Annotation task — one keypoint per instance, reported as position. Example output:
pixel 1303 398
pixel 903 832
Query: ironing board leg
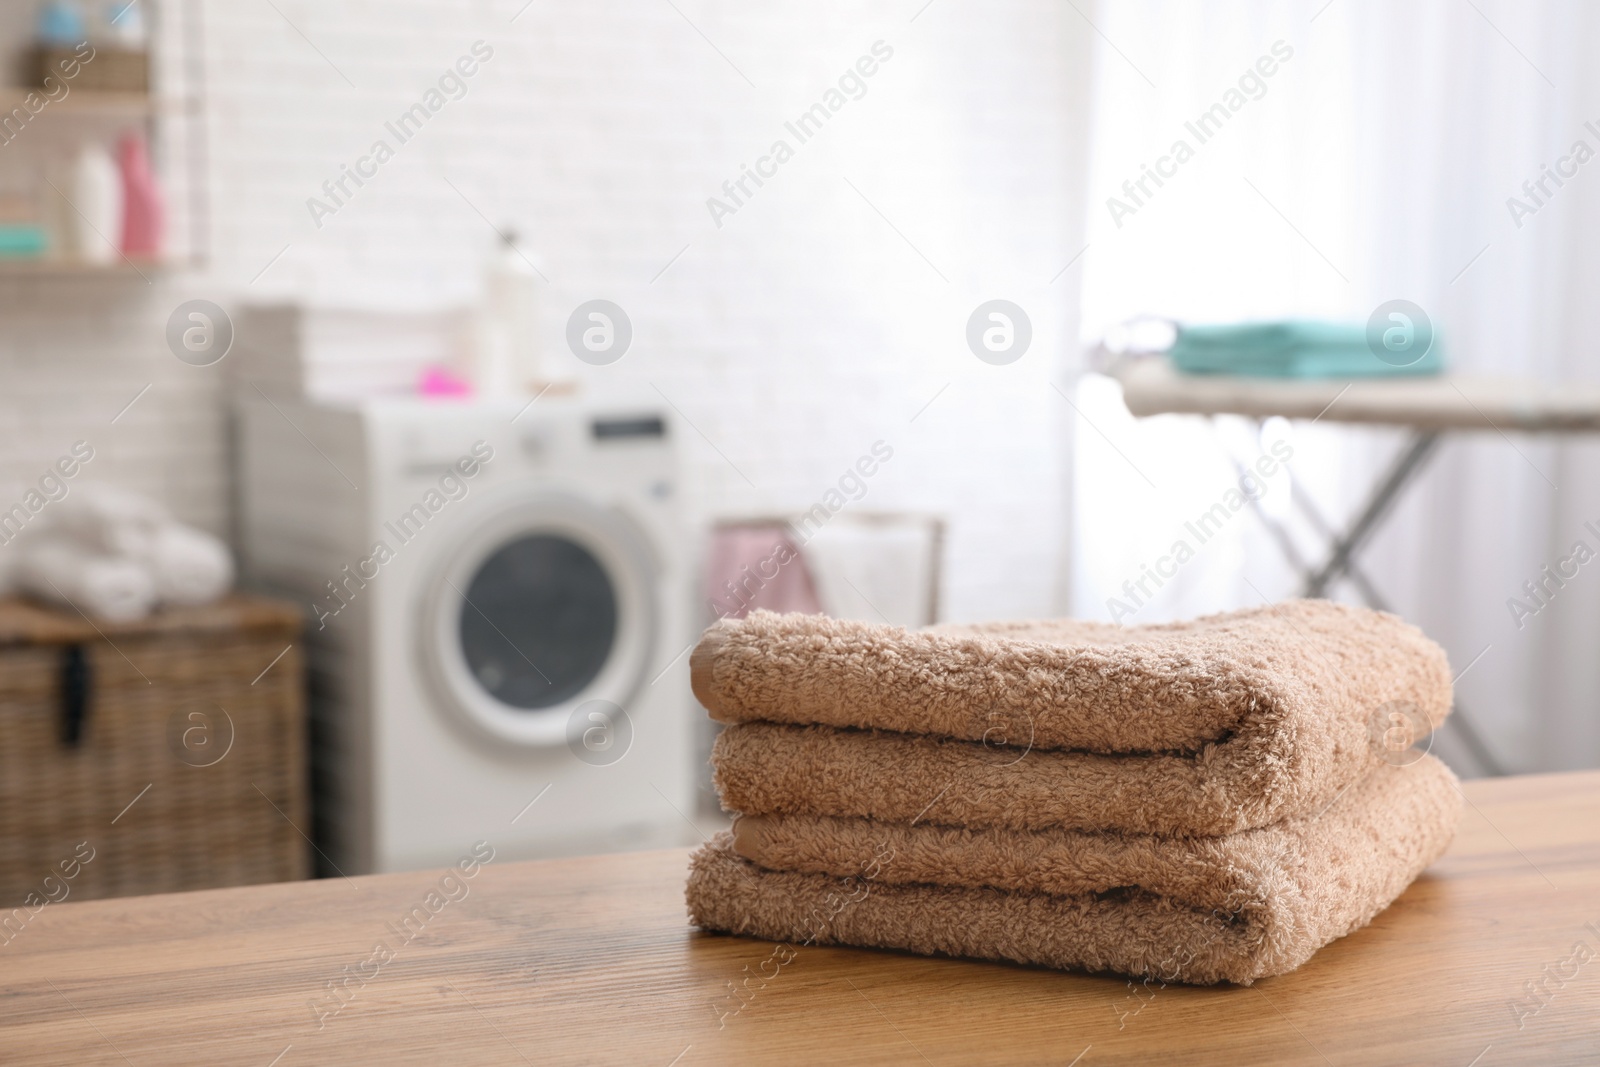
pixel 1286 543
pixel 1342 561
pixel 1358 577
pixel 1405 467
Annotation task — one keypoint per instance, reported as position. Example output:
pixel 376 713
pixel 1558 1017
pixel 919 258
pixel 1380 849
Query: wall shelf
pixel 66 268
pixel 82 103
pixel 170 115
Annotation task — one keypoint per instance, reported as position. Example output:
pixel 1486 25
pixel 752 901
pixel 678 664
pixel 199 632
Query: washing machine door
pixel 543 601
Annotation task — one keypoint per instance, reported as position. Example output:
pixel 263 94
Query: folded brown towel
pixel 766 769
pixel 1225 723
pixel 1209 910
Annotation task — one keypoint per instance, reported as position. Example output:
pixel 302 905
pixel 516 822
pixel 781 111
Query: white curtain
pixel 1376 161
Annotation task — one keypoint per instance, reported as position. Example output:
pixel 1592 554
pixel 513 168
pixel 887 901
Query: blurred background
pixel 392 392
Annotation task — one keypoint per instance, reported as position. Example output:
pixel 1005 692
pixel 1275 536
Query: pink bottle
pixel 142 209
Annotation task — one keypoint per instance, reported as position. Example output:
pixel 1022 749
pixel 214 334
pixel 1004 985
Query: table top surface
pixel 1490 958
pixel 1152 386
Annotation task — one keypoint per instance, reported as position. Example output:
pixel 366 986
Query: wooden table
pixel 591 961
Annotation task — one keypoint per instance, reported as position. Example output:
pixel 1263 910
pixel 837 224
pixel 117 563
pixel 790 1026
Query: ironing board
pixel 1426 407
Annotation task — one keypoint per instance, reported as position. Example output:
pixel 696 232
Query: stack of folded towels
pixel 1196 802
pixel 1295 348
pixel 117 555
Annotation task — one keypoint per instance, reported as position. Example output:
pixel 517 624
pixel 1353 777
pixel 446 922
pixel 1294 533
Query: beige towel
pixel 1208 727
pixel 1233 909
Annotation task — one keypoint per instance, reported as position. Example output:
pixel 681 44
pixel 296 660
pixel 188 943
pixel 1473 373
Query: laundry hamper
pixel 157 756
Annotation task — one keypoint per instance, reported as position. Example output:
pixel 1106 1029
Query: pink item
pixel 437 381
pixel 752 567
pixel 142 209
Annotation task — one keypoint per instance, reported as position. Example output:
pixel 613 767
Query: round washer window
pixel 539 622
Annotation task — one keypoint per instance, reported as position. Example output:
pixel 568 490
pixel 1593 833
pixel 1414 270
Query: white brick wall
pixel 793 337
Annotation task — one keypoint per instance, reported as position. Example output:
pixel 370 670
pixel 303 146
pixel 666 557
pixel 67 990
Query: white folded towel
pixel 189 565
pixel 113 521
pixel 60 571
pixel 94 540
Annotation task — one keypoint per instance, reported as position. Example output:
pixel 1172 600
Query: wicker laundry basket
pixel 150 757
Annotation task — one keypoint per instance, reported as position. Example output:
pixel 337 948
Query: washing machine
pixel 498 620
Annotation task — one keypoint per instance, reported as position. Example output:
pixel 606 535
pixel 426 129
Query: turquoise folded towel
pixel 21 241
pixel 1291 349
